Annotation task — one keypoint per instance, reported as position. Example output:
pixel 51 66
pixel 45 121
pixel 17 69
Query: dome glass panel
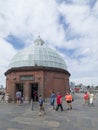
pixel 38 54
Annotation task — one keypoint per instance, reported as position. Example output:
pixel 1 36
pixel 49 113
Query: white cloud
pixel 27 20
pixel 82 21
pixel 6 53
pixel 92 80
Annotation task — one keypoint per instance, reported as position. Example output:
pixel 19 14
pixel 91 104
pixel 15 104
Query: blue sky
pixel 69 26
pixel 16 42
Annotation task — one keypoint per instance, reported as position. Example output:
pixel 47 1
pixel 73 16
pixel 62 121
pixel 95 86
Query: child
pixel 52 100
pixel 41 104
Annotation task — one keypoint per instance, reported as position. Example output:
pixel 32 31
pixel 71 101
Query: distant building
pixel 37 68
pixel 72 86
pixel 1 86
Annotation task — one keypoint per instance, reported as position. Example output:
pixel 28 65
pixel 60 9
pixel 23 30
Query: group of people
pixel 4 97
pixel 54 99
pixel 19 98
pixel 89 98
pixel 68 100
pixel 58 100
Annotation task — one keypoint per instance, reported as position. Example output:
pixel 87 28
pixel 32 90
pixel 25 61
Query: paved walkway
pixel 13 117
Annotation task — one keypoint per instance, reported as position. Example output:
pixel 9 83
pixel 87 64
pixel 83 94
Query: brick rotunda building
pixel 39 69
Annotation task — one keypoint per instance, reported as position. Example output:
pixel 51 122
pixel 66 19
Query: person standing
pixel 2 97
pixel 7 97
pixel 35 95
pixel 18 97
pixel 91 99
pixel 52 100
pixel 59 102
pixel 68 98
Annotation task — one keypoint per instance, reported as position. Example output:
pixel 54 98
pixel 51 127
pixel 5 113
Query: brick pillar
pixel 27 91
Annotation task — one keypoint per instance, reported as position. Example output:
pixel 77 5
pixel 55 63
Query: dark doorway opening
pixel 19 87
pixel 34 91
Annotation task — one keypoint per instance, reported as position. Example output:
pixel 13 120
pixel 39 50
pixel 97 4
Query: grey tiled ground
pixel 13 117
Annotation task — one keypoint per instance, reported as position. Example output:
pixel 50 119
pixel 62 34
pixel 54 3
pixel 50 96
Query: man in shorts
pixel 68 98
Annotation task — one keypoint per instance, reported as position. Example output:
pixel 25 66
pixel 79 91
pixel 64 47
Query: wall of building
pixel 46 80
pixel 56 81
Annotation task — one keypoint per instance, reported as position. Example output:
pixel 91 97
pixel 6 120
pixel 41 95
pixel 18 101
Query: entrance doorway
pixel 19 87
pixel 34 91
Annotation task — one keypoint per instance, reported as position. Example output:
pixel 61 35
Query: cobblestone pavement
pixel 81 117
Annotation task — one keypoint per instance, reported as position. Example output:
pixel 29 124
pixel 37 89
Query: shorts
pixel 18 98
pixel 68 101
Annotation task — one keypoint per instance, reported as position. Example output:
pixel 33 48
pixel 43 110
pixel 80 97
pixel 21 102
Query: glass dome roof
pixel 38 55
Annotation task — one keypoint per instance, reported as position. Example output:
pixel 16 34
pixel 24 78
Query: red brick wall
pixel 57 82
pixel 47 81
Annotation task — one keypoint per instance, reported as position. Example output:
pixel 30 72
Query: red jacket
pixel 86 96
pixel 59 99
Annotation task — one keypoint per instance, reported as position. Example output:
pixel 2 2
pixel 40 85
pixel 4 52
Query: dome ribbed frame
pixel 38 56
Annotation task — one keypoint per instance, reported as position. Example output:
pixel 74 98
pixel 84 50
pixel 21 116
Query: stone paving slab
pixel 37 122
pixel 12 129
pixel 13 117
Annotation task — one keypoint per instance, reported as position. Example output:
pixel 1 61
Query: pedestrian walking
pixel 59 102
pixel 68 99
pixel 86 98
pixel 91 99
pixel 52 100
pixel 41 105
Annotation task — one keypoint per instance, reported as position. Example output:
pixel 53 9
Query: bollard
pixel 32 104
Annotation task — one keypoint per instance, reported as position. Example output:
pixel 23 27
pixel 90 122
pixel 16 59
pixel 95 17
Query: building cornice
pixel 36 68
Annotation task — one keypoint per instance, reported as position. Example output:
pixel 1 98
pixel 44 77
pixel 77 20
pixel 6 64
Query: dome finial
pixel 38 41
